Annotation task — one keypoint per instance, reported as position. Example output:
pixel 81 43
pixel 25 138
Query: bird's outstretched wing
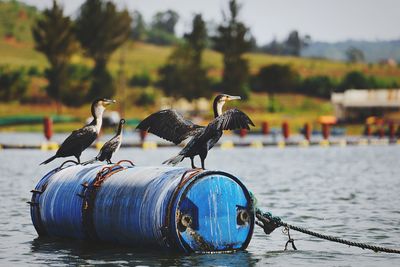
pixel 231 119
pixel 170 125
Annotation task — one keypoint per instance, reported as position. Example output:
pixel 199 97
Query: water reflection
pixel 56 251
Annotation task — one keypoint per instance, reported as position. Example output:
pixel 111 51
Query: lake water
pixel 351 192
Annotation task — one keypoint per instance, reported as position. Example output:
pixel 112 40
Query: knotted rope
pixel 269 223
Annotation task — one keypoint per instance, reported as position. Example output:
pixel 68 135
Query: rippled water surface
pixel 351 192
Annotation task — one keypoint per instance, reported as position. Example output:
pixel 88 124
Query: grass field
pixel 141 56
pixel 296 109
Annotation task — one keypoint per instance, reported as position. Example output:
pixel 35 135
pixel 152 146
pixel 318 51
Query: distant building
pixel 388 62
pixel 357 105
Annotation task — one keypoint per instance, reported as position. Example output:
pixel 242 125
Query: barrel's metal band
pixel 89 196
pixel 165 230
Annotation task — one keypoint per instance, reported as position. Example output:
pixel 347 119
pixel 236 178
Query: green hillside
pixel 16 20
pixel 17 49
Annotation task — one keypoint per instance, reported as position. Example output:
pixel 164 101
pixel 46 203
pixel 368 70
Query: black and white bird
pixel 82 138
pixel 111 146
pixel 171 125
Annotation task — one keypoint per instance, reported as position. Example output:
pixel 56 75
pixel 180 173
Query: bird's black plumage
pixel 171 125
pixel 112 145
pixel 82 138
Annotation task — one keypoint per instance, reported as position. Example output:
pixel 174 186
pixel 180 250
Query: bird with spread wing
pixel 172 126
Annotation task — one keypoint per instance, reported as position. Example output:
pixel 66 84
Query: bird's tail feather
pixel 48 160
pixel 174 160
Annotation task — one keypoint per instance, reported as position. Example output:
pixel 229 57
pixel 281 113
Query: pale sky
pixel 323 20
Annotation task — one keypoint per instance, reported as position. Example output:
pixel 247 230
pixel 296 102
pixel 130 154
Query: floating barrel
pixel 165 207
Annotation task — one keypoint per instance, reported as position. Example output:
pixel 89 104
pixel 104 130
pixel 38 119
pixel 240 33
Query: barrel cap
pixel 214 213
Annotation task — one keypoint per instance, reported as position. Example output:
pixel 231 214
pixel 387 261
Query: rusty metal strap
pixel 203 244
pixel 187 175
pixel 89 196
pixel 165 230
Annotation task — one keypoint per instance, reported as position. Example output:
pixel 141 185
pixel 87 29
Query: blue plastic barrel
pixel 165 207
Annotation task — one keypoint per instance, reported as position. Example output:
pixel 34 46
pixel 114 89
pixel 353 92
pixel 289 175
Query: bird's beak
pixel 108 102
pixel 232 97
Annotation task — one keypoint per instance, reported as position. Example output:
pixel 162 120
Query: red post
pixel 392 132
pixel 325 131
pixel 285 130
pixel 48 127
pixel 367 130
pixel 243 133
pixel 265 128
pixel 381 131
pixel 143 135
pixel 307 131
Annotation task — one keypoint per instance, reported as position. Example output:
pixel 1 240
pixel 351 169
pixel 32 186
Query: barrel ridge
pixel 62 212
pixel 132 205
pixel 35 200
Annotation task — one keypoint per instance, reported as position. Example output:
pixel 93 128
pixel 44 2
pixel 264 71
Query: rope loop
pixel 125 160
pixel 67 161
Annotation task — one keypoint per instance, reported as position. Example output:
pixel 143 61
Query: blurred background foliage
pixel 48 57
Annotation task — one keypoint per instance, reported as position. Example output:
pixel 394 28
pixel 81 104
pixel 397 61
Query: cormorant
pixel 110 147
pixel 82 138
pixel 171 125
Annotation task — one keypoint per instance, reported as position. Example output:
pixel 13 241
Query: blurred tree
pixel 162 31
pixel 54 37
pixel 138 27
pixel 160 37
pixel 277 78
pixel 273 48
pixel 13 84
pixel 197 39
pixel 141 79
pixel 354 55
pixel 355 80
pixel 292 46
pixel 165 21
pixel 146 98
pixel 184 76
pixel 79 85
pixel 319 86
pixel 101 29
pixel 233 40
pixel 295 43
